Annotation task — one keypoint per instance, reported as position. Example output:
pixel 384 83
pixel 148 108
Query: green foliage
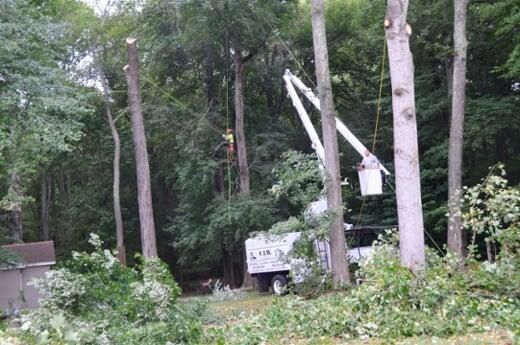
pixel 9 259
pixel 49 125
pixel 92 299
pixel 505 15
pixel 391 303
pixel 298 179
pixel 492 208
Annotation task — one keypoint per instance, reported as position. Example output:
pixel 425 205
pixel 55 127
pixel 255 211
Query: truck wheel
pixel 263 283
pixel 279 285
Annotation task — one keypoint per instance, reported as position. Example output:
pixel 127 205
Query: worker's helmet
pixel 229 131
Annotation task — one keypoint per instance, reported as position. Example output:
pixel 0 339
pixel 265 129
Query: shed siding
pixel 10 294
pixel 30 293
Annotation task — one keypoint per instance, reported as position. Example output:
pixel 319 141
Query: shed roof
pixel 34 253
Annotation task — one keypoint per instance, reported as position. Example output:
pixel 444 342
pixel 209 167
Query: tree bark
pixel 227 269
pixel 120 245
pixel 340 272
pixel 144 192
pixel 456 234
pixel 15 224
pixel 243 166
pixel 46 191
pixel 406 151
pixel 209 75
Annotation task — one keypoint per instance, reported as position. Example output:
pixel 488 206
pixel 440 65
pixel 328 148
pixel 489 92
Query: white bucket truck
pixel 267 255
pixel 268 260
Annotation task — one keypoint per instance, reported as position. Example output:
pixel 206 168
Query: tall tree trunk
pixel 218 180
pixel 209 75
pixel 15 224
pixel 64 237
pixel 144 191
pixel 243 166
pixel 406 151
pixel 340 272
pixel 456 234
pixel 227 269
pixel 120 244
pixel 46 191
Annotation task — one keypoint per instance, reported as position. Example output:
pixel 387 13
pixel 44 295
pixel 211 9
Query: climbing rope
pixel 378 115
pixel 379 97
pixel 179 104
pixel 203 118
pixel 289 51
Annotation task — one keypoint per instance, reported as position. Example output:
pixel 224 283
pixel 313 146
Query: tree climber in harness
pixel 230 142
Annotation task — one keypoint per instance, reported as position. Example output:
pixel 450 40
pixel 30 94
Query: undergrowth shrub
pixel 94 300
pixel 9 259
pixel 391 303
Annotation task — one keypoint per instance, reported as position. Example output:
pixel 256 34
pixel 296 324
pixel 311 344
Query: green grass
pixel 228 312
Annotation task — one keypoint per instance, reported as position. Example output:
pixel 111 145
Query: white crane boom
pixel 304 117
pixel 291 80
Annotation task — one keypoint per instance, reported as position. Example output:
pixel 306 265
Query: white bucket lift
pixel 370 178
pixel 370 181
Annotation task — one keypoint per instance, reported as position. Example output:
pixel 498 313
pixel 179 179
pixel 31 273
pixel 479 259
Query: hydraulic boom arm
pixel 292 81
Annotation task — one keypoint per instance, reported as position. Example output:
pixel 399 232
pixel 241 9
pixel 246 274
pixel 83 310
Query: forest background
pixel 56 147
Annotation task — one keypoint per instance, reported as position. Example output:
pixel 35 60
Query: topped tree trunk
pixel 243 165
pixel 340 273
pixel 406 150
pixel 144 191
pixel 456 234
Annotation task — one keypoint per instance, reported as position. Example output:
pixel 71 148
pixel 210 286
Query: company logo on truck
pixel 278 253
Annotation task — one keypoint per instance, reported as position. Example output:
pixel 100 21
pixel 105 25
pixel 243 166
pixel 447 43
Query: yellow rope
pixel 378 114
pixel 182 105
pixel 379 97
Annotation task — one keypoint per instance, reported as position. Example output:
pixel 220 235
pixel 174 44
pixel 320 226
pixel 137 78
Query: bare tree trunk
pixel 227 269
pixel 15 224
pixel 456 234
pixel 406 150
pixel 243 166
pixel 120 245
pixel 63 182
pixel 144 192
pixel 46 192
pixel 340 272
pixel 209 75
pixel 218 180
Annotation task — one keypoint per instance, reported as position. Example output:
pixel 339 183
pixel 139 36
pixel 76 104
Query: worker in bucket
pixel 370 161
pixel 230 142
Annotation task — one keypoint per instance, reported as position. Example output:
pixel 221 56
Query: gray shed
pixel 36 259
